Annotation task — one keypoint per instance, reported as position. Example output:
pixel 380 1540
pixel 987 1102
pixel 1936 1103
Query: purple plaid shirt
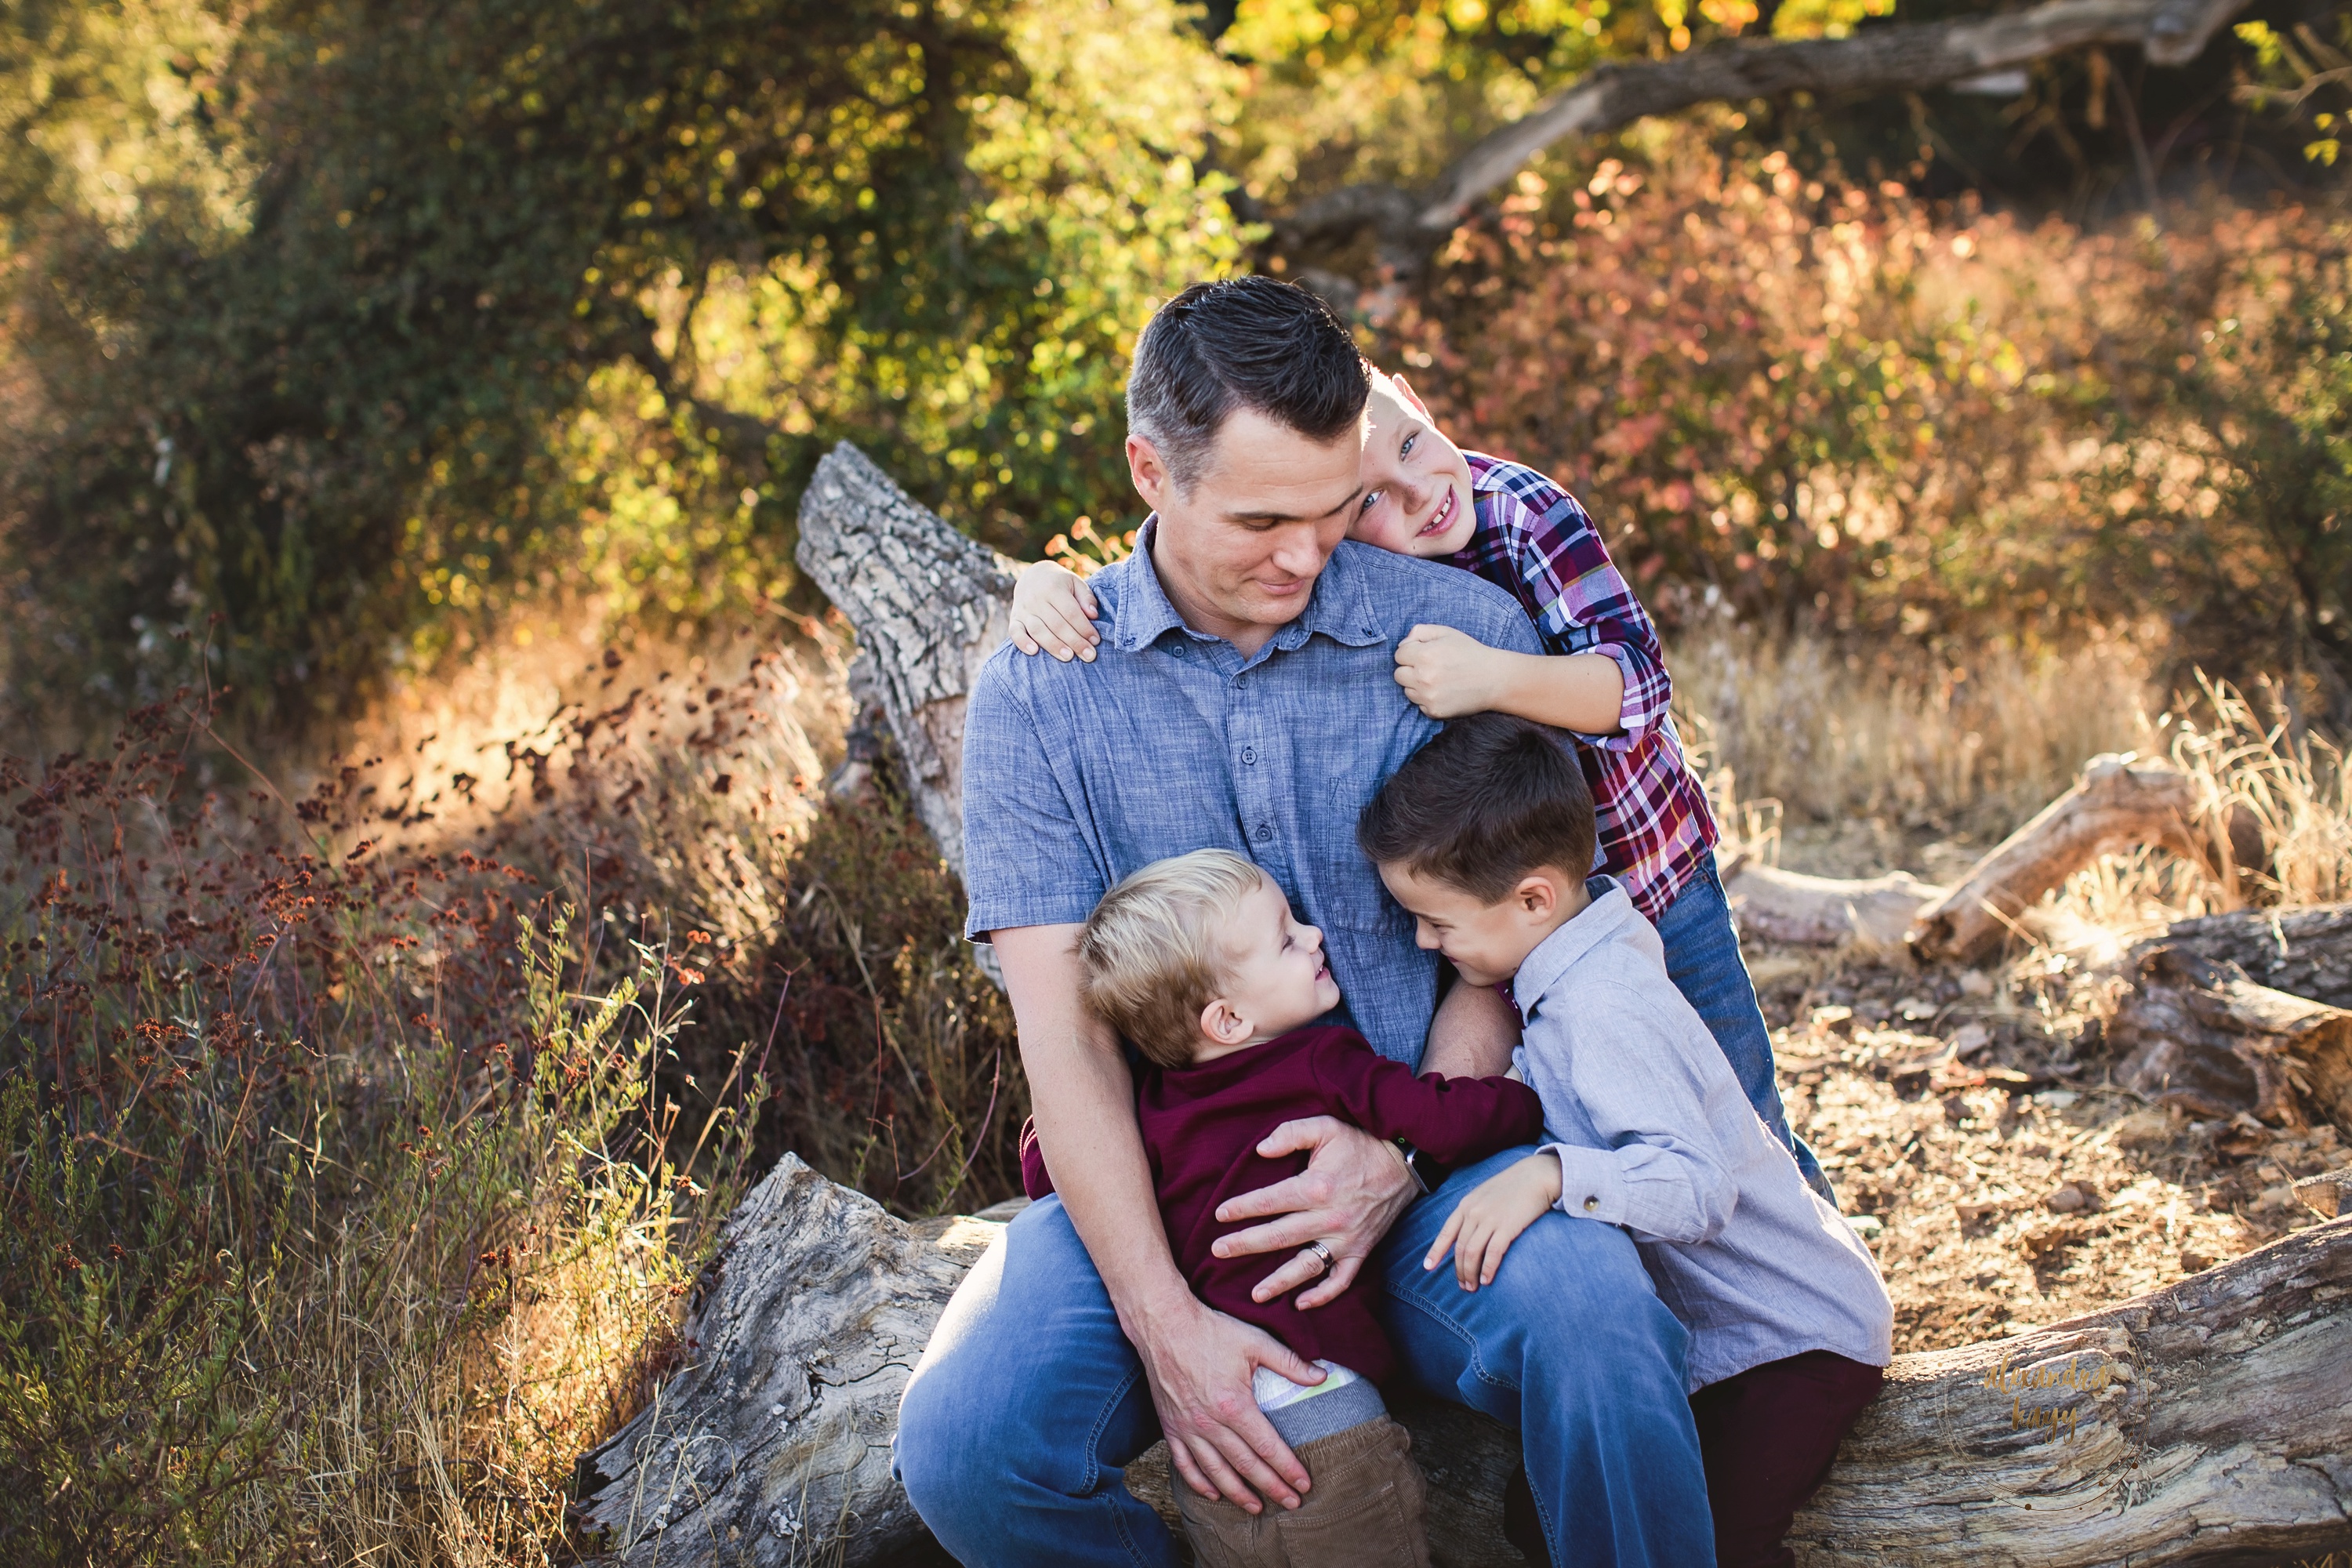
pixel 1537 544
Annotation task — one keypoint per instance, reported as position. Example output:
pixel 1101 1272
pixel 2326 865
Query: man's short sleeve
pixel 1026 861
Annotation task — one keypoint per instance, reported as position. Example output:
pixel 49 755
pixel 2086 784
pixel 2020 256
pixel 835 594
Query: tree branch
pixel 1411 224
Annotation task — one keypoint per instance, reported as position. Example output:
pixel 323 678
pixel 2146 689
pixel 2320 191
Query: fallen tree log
pixel 2118 803
pixel 928 606
pixel 1799 911
pixel 2210 1422
pixel 2196 1032
pixel 2306 953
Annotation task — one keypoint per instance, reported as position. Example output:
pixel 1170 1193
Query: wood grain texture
pixel 1800 910
pixel 771 1445
pixel 2307 952
pixel 2196 1032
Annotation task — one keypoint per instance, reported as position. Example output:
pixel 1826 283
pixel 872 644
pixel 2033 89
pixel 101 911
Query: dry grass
pixel 1863 762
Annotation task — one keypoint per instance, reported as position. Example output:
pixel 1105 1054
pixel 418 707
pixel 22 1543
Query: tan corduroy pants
pixel 1365 1510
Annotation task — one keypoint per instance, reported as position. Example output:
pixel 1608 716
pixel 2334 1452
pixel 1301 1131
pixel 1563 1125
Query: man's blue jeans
pixel 1704 962
pixel 1029 1400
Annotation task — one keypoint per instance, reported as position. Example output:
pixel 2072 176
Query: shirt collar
pixel 1488 475
pixel 1543 969
pixel 1340 608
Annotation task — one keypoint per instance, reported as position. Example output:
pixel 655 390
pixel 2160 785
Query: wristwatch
pixel 1426 1173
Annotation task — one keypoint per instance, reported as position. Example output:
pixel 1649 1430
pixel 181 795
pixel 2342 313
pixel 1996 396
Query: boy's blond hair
pixel 1151 953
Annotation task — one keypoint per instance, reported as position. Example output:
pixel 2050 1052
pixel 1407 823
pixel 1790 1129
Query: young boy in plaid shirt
pixel 1602 677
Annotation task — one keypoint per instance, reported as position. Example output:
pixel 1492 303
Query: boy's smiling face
pixel 1485 942
pixel 1416 498
pixel 1276 977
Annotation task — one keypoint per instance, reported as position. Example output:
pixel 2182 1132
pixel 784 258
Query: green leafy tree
pixel 330 319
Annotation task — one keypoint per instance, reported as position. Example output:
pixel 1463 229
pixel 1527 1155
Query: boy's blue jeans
pixel 1029 1400
pixel 1704 962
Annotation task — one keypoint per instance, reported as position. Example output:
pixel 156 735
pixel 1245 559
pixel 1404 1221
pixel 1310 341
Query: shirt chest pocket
pixel 1348 887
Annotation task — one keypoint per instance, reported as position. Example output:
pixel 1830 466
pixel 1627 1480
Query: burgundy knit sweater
pixel 1201 1126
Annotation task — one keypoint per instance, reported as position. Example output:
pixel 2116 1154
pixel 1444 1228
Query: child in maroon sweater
pixel 1198 962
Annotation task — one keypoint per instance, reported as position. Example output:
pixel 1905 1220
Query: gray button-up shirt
pixel 1653 1133
pixel 1075 775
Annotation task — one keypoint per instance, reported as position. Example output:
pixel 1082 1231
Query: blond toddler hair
pixel 1152 953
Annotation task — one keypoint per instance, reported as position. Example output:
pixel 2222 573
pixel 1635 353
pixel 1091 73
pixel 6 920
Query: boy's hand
pixel 1446 673
pixel 1482 1225
pixel 1055 610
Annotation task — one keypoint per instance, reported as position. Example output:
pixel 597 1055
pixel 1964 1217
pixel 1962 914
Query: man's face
pixel 1239 550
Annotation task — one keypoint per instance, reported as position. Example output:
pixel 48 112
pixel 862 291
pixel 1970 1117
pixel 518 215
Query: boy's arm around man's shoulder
pixel 1454 1119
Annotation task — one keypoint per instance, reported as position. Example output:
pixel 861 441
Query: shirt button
pixel 1249 755
pixel 1264 832
pixel 1176 650
pixel 1591 1203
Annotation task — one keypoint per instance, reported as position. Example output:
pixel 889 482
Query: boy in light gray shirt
pixel 1486 836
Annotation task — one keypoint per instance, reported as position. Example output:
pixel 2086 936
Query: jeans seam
pixel 1478 1362
pixel 1094 1467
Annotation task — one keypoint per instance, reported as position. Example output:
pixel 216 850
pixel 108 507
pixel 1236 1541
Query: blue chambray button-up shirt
pixel 1075 775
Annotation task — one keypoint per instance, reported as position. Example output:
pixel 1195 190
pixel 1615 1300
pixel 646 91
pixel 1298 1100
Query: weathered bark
pixel 1800 910
pixel 2307 952
pixel 928 606
pixel 1410 226
pixel 771 1445
pixel 2210 1422
pixel 2200 1034
pixel 2117 803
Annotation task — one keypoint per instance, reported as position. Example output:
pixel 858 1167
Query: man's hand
pixel 1482 1225
pixel 1199 1363
pixel 1352 1190
pixel 1446 673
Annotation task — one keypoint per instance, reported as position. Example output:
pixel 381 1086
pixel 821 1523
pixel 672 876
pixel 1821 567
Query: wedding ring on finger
pixel 1322 1255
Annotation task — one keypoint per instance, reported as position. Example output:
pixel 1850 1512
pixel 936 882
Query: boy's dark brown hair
pixel 1489 800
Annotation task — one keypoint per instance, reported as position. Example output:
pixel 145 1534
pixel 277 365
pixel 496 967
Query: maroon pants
pixel 1768 1436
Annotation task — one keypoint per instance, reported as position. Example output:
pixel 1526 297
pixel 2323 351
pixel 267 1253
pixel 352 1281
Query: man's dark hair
pixel 1245 342
pixel 1489 800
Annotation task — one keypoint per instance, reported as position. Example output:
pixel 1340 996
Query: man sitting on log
pixel 1244 699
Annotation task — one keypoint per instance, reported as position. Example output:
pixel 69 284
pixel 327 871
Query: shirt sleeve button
pixel 1591 1204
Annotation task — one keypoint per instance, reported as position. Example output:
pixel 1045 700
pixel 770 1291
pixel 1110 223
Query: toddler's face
pixel 1416 496
pixel 1278 979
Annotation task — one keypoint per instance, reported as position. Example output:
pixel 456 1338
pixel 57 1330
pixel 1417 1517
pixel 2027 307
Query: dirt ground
pixel 1967 1119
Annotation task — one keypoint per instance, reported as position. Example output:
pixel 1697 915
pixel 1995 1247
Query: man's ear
pixel 1222 1025
pixel 1150 474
